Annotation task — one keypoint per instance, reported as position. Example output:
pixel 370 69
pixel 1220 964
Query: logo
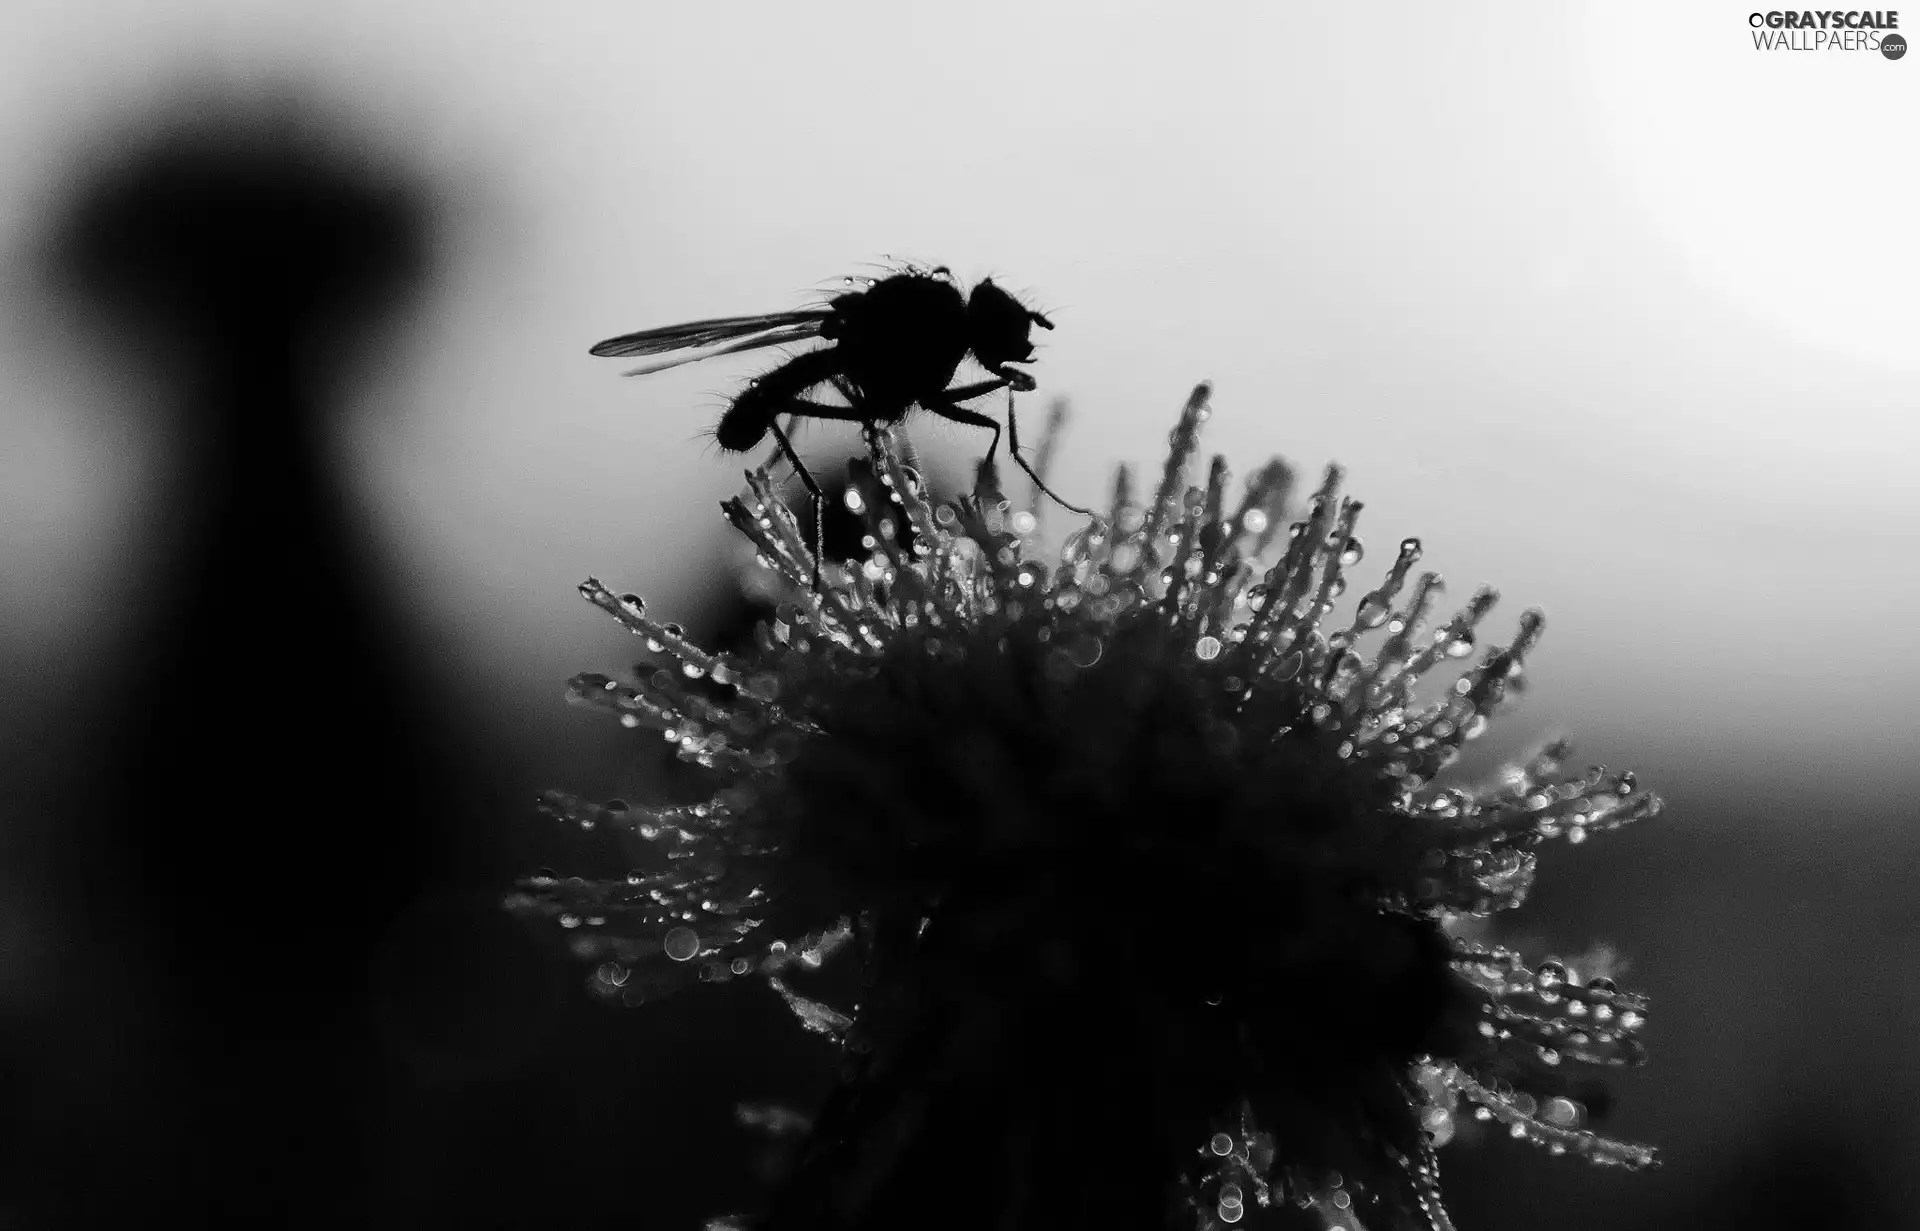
pixel 1829 30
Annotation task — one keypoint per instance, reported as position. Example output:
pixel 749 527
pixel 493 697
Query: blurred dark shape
pixel 262 805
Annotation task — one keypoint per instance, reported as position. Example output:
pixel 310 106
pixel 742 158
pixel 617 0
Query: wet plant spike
pixel 1143 853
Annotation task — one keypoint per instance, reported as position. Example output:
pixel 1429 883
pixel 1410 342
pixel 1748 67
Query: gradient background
pixel 1611 309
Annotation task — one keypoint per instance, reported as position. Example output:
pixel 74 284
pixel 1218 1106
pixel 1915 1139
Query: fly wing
pixel 698 335
pixel 775 338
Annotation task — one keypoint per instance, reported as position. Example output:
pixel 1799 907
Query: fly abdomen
pixel 753 412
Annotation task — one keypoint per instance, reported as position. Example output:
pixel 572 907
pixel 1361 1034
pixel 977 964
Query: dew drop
pixel 1207 648
pixel 1460 646
pixel 1371 613
pixel 1355 549
pixel 1231 1213
pixel 1221 1144
pixel 1409 549
pixel 682 944
pixel 1255 522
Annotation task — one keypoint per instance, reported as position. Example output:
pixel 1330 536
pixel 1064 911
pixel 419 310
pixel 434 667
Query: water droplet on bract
pixel 1603 985
pixel 1351 556
pixel 1371 613
pixel 1221 1144
pixel 741 965
pixel 1231 1213
pixel 682 944
pixel 1460 645
pixel 1550 974
pixel 1630 1020
pixel 1474 727
pixel 1024 522
pixel 1560 1112
pixel 675 631
pixel 1549 1056
pixel 634 601
pixel 570 921
pixel 1230 1194
pixel 1084 649
pixel 1207 648
pixel 1409 549
pixel 854 501
pixel 613 973
pixel 1255 522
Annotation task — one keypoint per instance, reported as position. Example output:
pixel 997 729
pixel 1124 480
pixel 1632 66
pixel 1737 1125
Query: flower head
pixel 1147 859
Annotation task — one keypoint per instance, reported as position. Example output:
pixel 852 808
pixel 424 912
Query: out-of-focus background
pixel 301 458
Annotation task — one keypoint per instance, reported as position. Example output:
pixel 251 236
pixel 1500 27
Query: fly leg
pixel 813 490
pixel 945 408
pixel 799 408
pixel 1013 447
